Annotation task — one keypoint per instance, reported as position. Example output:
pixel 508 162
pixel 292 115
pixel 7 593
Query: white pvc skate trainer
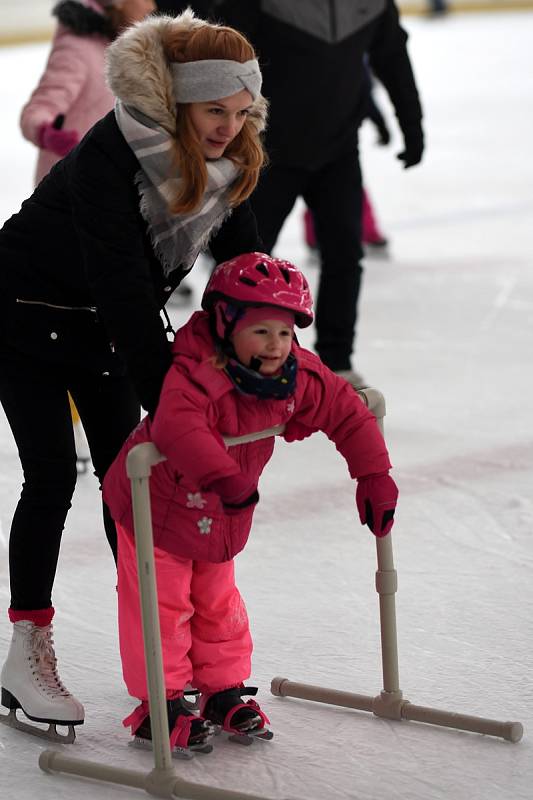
pixel 30 682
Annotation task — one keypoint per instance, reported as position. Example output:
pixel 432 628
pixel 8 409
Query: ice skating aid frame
pixel 163 780
pixel 390 703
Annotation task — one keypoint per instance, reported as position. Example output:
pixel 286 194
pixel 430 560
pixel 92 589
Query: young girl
pixel 237 369
pixel 86 266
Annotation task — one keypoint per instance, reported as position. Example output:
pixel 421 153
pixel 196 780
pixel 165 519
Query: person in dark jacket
pixel 313 62
pixel 85 267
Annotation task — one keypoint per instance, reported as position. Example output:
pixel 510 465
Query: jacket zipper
pixel 92 309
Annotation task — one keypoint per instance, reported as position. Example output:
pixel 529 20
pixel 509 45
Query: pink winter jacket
pixel 72 84
pixel 198 406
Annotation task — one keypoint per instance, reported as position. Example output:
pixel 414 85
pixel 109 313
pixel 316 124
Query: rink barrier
pixel 390 703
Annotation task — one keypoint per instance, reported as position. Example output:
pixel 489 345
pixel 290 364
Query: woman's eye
pixel 215 111
pixel 244 112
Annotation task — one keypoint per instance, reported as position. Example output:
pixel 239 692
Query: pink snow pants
pixel 205 633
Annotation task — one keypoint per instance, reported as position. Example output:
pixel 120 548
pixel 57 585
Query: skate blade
pixel 51 734
pixel 183 753
pixel 247 737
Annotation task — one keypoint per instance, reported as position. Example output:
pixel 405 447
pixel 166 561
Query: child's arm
pixel 331 405
pixel 184 430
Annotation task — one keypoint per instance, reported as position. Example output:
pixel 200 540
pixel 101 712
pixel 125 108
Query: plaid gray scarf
pixel 177 238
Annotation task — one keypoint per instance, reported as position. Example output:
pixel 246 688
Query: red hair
pixel 246 150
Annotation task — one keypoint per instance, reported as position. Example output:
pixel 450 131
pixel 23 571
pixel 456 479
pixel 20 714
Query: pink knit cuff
pixel 40 617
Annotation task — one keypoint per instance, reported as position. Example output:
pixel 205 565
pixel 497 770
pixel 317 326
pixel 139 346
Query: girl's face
pixel 269 340
pixel 218 122
pixel 135 10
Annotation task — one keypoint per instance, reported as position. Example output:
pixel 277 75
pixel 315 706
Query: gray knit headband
pixel 212 79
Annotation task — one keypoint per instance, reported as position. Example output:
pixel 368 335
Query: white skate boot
pixel 30 682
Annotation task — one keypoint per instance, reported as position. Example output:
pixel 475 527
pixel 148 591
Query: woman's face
pixel 218 122
pixel 135 10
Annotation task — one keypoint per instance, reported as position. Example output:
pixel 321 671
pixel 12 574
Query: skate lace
pixel 45 662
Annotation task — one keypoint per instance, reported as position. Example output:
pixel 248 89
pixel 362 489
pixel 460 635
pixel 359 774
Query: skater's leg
pixel 334 197
pixel 173 576
pixel 35 400
pixel 221 648
pixel 109 410
pixel 273 200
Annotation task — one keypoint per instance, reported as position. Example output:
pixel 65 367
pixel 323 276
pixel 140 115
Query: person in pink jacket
pixel 237 369
pixel 72 93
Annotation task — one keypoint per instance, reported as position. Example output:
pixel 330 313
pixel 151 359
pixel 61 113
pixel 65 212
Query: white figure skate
pixel 30 682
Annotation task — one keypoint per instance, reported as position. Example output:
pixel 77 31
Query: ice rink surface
pixel 446 333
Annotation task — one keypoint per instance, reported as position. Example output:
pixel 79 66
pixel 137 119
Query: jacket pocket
pixel 188 522
pixel 63 335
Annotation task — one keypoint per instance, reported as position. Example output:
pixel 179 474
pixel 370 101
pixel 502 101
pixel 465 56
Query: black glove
pixel 413 147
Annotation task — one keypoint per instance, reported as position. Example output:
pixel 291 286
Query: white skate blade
pixel 246 736
pixel 176 752
pixel 51 733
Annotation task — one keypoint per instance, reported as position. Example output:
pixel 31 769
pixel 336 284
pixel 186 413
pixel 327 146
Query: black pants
pixel 334 195
pixel 34 396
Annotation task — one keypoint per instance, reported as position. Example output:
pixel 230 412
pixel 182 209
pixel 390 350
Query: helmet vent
pixel 286 275
pixel 262 268
pixel 247 281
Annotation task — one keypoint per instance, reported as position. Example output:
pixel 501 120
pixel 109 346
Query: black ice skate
pixel 244 721
pixel 30 681
pixel 189 733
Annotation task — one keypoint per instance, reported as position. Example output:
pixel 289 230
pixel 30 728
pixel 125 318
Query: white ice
pixel 446 333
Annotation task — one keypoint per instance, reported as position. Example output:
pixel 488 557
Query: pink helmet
pixel 256 279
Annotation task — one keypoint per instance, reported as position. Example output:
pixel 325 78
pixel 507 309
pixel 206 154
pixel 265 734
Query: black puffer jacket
pixel 78 277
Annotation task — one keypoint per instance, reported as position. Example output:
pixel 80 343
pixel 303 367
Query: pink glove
pixel 59 142
pixel 236 493
pixel 376 498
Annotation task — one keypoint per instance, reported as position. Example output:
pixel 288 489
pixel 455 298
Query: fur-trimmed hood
pixel 138 71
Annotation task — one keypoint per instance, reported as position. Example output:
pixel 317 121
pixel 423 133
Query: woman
pixel 72 95
pixel 87 264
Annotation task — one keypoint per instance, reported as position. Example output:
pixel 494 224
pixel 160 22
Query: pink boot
pixel 371 234
pixel 309 230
